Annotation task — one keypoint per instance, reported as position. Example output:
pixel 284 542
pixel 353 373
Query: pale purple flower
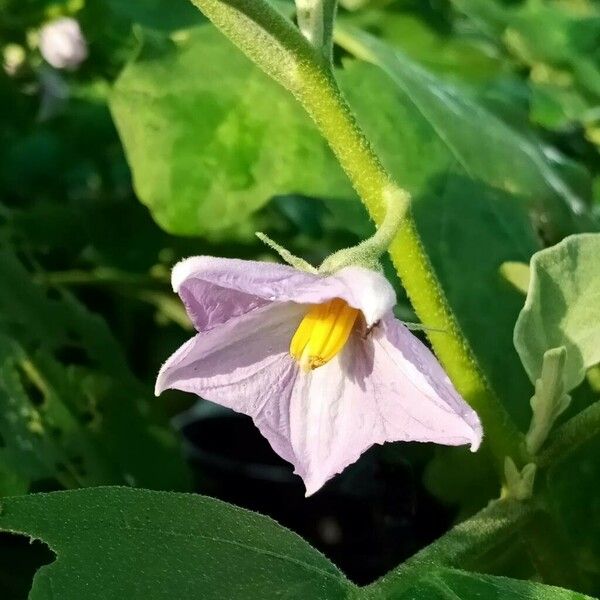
pixel 62 43
pixel 319 362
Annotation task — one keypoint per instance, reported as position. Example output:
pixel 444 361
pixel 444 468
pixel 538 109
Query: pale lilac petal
pixel 217 289
pixel 387 387
pixel 414 393
pixel 333 418
pixel 364 289
pixel 244 365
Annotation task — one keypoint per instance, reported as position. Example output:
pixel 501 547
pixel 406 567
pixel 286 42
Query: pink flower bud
pixel 62 44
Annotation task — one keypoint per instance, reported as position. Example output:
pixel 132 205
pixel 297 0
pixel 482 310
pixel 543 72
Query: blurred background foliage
pixel 167 142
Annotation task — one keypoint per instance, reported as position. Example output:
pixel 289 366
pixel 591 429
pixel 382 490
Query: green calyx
pixel 367 253
pixel 286 255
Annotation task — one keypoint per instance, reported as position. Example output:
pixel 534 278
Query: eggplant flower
pixel 318 361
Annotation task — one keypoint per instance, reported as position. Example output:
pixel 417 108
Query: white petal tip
pixel 310 490
pixel 159 386
pixel 312 486
pixel 476 440
pixel 183 269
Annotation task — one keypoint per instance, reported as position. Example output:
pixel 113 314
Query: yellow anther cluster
pixel 323 333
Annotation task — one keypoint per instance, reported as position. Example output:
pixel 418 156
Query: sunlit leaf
pixel 211 139
pixel 562 308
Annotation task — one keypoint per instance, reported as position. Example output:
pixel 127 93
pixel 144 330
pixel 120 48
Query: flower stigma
pixel 322 333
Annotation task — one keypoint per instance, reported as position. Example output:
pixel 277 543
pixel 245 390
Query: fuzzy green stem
pixel 369 251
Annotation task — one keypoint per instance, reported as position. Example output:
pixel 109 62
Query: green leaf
pixel 123 543
pixel 509 161
pixel 210 138
pixel 562 308
pixel 70 410
pixel 549 400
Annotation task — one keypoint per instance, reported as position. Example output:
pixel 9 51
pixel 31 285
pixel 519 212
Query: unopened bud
pixel 62 43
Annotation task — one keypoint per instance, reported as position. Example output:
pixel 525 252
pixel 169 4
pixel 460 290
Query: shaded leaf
pixel 123 543
pixel 573 498
pixel 503 537
pixel 450 584
pixel 70 410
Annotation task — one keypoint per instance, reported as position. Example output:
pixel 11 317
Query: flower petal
pixel 368 291
pixel 414 394
pixel 332 419
pixel 387 387
pixel 215 290
pixel 244 365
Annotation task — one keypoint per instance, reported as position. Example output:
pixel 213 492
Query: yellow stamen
pixel 322 333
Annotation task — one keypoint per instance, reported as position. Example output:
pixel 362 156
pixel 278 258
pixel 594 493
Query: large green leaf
pixel 562 308
pixel 123 543
pixel 210 138
pixel 70 410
